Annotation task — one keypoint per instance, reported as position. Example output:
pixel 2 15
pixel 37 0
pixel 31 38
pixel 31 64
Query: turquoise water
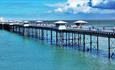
pixel 20 53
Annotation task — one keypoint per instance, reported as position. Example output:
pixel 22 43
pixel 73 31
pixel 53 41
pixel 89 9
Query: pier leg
pixel 69 39
pixel 23 30
pixel 47 35
pixel 42 34
pixel 75 39
pixel 109 51
pixel 18 29
pixel 11 28
pixel 66 38
pixel 25 34
pixel 29 32
pixel 84 42
pixel 51 37
pixel 56 38
pixel 72 39
pixel 61 38
pixel 36 33
pixel 78 41
pixel 39 34
pixel 32 32
pixel 90 42
pixel 97 43
pixel 15 29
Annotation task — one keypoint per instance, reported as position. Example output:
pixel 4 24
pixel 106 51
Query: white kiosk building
pixel 60 25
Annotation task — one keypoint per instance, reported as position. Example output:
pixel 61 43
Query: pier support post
pixel 109 47
pixel 15 29
pixel 42 34
pixel 19 29
pixel 97 43
pixel 38 33
pixel 23 30
pixel 84 42
pixel 47 35
pixel 72 39
pixel 51 37
pixel 29 34
pixel 90 42
pixel 69 40
pixel 66 38
pixel 78 41
pixel 61 38
pixel 56 38
pixel 11 28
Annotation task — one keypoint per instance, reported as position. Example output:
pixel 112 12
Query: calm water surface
pixel 19 53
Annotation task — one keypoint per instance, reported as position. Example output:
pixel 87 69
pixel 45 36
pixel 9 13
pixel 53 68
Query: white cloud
pixel 97 2
pixel 59 10
pixel 101 2
pixel 101 11
pixel 80 6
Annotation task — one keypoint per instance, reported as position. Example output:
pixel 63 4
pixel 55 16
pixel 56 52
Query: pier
pixel 61 34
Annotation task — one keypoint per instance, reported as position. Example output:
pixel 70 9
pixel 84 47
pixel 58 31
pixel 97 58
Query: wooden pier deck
pixel 61 37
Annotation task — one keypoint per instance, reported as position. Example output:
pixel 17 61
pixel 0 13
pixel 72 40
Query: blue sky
pixel 57 9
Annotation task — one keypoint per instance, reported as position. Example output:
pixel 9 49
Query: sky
pixel 58 9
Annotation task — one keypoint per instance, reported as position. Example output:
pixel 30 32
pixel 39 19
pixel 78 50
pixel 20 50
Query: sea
pixel 23 53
